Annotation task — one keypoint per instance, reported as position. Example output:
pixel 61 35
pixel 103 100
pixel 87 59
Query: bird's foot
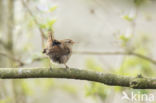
pixel 67 68
pixel 50 68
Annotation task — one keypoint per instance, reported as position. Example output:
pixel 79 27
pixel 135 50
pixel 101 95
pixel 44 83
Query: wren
pixel 58 51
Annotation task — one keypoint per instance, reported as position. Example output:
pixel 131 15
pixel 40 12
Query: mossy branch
pixel 105 78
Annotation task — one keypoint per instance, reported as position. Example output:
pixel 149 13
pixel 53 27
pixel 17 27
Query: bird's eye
pixel 55 42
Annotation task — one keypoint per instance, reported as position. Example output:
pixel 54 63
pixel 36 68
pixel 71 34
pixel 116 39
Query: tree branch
pixel 105 78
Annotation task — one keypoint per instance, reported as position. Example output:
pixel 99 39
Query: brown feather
pixel 58 51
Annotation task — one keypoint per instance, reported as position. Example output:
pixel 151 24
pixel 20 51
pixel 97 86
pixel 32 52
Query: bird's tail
pixel 50 35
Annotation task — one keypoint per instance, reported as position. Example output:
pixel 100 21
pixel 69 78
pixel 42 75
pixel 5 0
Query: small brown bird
pixel 58 51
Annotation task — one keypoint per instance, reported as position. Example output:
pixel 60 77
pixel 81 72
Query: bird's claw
pixel 67 67
pixel 50 68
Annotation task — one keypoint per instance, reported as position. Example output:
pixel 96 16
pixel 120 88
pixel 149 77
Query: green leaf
pixel 97 90
pixel 42 26
pixel 6 100
pixel 46 84
pixel 48 24
pixel 124 38
pixel 139 91
pixel 91 64
pixel 26 87
pixel 139 2
pixel 69 88
pixel 53 8
pixel 51 22
pixel 31 23
pixel 134 66
pixel 128 18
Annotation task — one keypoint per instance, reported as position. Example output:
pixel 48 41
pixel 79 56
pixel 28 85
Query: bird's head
pixel 68 42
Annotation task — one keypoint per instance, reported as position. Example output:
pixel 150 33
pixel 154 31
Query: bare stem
pixel 36 22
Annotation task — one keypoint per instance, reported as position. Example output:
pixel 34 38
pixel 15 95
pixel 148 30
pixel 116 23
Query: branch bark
pixel 138 82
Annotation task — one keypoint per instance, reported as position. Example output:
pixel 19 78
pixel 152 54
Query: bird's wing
pixel 56 42
pixel 59 50
pixel 50 35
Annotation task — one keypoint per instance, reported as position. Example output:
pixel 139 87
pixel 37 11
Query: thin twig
pixel 100 53
pixel 2 43
pixel 117 53
pixel 36 22
pixel 144 57
pixel 89 53
pixel 12 58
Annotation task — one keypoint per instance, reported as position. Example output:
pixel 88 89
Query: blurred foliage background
pixel 97 25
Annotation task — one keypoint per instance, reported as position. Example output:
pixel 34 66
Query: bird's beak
pixel 73 42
